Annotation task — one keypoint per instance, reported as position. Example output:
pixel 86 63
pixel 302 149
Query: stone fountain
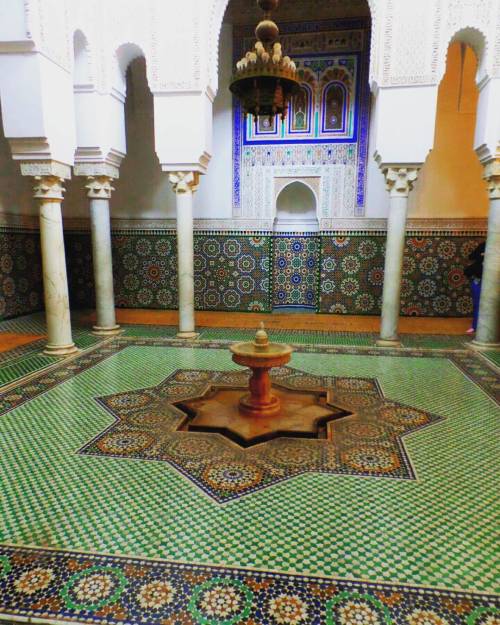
pixel 259 408
pixel 260 356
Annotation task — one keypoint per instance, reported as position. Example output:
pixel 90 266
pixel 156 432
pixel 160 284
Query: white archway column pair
pixel 488 326
pixel 99 179
pixel 184 185
pixel 399 181
pixel 48 190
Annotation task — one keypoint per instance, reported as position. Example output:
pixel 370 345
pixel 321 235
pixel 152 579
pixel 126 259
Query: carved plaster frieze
pixel 45 168
pixel 252 226
pixel 355 225
pixel 360 224
pixel 184 181
pixel 448 225
pixel 48 188
pixel 96 169
pixel 99 187
pixel 49 20
pixel 175 38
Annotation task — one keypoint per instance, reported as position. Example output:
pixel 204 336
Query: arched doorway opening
pixel 296 209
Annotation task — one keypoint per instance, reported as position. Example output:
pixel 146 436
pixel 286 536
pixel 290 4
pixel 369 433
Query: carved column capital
pixel 399 180
pixel 48 188
pixel 491 174
pixel 99 187
pixel 184 181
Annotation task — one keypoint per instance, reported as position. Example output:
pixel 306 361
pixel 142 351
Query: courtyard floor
pixel 112 515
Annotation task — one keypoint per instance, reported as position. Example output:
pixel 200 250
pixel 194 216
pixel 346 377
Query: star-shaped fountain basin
pixel 302 413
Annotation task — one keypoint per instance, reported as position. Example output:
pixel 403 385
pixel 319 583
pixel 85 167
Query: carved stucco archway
pixel 477 40
pixel 216 17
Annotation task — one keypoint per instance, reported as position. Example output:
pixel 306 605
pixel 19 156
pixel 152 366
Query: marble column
pixel 49 191
pixel 399 181
pixel 99 193
pixel 488 325
pixel 184 185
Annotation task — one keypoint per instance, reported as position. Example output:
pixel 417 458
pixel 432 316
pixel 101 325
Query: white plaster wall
pixel 377 197
pixel 214 197
pixel 409 52
pixel 143 190
pixel 404 128
pixel 296 209
pixel 12 20
pixel 21 89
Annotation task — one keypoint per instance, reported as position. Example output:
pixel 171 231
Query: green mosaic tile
pixel 416 532
pixel 290 336
pixel 434 341
pixel 148 330
pixel 20 367
pixel 84 338
pixel 226 334
pixel 17 353
pixel 493 356
pixel 28 359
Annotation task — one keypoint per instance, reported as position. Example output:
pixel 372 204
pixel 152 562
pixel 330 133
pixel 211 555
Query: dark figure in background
pixel 475 272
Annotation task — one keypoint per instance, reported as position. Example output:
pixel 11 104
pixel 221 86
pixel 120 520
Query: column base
pixel 481 347
pixel 103 331
pixel 60 350
pixel 187 335
pixel 388 343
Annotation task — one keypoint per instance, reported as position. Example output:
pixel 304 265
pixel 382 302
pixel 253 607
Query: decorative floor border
pixel 104 590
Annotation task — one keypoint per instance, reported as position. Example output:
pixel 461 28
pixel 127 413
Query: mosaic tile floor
pixel 368 442
pixel 103 539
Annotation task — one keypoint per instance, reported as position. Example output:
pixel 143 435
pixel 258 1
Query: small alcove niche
pixel 296 209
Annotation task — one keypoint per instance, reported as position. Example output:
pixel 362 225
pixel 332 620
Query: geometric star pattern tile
pixel 367 443
pixel 322 548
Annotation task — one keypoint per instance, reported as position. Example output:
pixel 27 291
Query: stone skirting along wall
pixel 331 273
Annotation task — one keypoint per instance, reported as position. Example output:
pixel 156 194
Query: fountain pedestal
pixel 270 409
pixel 260 356
pixel 260 401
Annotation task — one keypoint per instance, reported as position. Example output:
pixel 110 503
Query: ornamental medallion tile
pixel 348 427
pixel 44 585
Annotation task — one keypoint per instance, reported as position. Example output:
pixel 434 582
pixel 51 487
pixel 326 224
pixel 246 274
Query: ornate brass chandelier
pixel 265 80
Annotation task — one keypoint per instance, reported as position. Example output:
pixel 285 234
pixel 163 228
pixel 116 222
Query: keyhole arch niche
pixel 296 207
